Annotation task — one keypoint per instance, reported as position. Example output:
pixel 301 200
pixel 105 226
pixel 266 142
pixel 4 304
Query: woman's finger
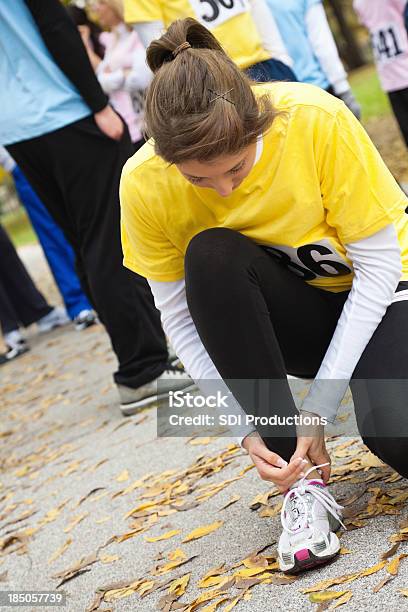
pixel 302 448
pixel 271 457
pixel 319 459
pixel 282 477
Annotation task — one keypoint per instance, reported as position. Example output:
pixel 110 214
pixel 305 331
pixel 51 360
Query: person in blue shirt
pixel 307 36
pixel 55 121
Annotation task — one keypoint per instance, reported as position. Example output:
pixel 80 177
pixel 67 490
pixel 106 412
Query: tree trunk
pixel 352 50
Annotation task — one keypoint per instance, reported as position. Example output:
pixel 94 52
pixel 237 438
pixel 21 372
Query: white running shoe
pixel 309 516
pixel 16 346
pixel 56 318
pixel 85 319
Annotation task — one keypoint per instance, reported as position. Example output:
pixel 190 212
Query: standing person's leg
pixel 9 326
pixel 57 250
pixel 84 166
pixel 28 303
pixel 399 103
pixel 380 389
pixel 9 320
pixel 258 322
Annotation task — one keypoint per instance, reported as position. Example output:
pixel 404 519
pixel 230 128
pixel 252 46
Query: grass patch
pixel 18 227
pixel 367 89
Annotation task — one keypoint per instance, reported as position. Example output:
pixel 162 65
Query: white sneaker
pixel 85 319
pixel 56 318
pixel 309 516
pixel 16 346
pixel 172 379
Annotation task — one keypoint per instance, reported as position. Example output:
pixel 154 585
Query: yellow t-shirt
pixel 319 184
pixel 229 20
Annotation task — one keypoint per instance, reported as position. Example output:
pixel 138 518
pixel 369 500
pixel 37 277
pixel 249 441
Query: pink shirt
pixel 384 19
pixel 121 45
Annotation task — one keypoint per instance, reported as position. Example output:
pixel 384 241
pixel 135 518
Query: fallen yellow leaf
pixel 123 476
pixel 109 558
pixel 326 596
pixel 393 565
pixel 177 554
pixel 164 536
pixel 178 587
pixel 60 551
pixel 342 600
pixel 203 531
pixel 75 522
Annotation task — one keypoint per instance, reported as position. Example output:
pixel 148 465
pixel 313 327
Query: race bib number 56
pixel 213 13
pixel 318 260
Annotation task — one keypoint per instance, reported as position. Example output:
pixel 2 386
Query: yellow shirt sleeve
pixel 141 11
pixel 146 248
pixel 359 192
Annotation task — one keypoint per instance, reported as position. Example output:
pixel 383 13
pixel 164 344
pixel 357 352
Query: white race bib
pixel 212 13
pixel 388 43
pixel 317 260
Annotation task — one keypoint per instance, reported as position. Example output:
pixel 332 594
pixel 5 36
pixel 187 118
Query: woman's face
pixel 223 174
pixel 107 17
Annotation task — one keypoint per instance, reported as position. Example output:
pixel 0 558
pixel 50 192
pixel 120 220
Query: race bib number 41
pixel 388 43
pixel 213 13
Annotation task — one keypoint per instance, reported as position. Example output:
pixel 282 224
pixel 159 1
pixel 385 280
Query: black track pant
pixel 20 301
pixel 76 172
pixel 399 103
pixel 258 320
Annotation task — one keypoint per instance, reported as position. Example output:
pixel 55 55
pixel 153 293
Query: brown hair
pixel 117 7
pixel 200 105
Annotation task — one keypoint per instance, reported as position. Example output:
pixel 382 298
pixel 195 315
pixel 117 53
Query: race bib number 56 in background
pixel 213 13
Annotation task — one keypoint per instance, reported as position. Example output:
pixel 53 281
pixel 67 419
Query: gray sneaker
pixel 172 379
pixel 55 318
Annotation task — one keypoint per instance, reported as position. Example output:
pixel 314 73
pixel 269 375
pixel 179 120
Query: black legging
pixel 20 301
pixel 259 321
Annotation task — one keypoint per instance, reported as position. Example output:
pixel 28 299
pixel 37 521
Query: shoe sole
pixel 302 565
pixel 46 330
pixel 4 359
pixel 307 564
pixel 135 407
pixel 85 325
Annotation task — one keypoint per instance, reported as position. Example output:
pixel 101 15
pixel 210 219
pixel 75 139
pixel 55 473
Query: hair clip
pixel 185 45
pixel 222 96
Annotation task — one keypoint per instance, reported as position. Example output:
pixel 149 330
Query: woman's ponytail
pixel 180 32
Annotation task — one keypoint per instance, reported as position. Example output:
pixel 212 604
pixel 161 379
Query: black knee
pixel 212 248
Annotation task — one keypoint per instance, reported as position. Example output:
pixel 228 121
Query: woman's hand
pixel 311 444
pixel 85 33
pixel 109 123
pixel 270 466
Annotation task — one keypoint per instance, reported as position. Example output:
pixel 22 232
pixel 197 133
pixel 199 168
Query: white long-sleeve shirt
pixel 6 161
pixel 324 47
pixel 377 267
